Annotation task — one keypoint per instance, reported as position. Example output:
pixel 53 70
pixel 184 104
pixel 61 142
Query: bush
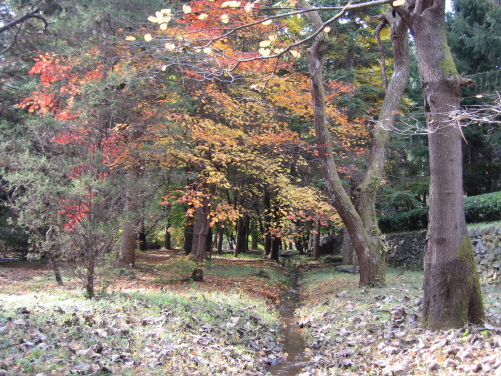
pixel 411 220
pixel 481 208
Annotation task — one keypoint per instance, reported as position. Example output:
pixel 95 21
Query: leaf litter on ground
pixel 353 331
pixel 229 325
pixel 224 326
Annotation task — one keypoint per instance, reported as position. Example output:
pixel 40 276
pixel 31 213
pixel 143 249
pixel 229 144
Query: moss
pixel 447 63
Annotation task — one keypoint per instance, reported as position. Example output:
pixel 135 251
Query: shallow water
pixel 292 336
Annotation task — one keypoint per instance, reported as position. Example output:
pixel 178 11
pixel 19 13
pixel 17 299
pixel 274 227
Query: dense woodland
pixel 210 125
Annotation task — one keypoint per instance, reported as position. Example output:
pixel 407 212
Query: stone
pixel 346 269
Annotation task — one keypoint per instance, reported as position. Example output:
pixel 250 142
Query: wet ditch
pixel 292 339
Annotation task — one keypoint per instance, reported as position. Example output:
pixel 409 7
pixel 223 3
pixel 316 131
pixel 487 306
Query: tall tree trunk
pixel 201 223
pixel 242 234
pixel 267 223
pixel 143 241
pixel 220 240
pixel 188 237
pixel 167 237
pixel 127 255
pixel 452 295
pixel 365 236
pixel 347 248
pixel 316 241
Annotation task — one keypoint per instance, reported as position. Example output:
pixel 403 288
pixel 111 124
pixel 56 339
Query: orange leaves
pixel 49 68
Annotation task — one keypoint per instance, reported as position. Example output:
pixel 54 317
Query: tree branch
pixel 27 16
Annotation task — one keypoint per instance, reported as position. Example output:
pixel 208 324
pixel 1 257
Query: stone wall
pixel 406 250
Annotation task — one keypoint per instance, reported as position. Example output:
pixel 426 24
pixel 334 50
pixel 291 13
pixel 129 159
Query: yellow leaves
pixel 170 46
pixel 264 43
pixel 163 26
pixel 164 16
pixel 186 9
pixel 225 18
pixel 295 53
pixel 398 3
pixel 327 29
pixel 130 38
pixel 203 16
pixel 248 7
pixel 231 4
pixel 266 23
pixel 264 51
pixel 148 37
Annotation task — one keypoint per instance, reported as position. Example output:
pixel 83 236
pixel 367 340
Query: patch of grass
pixel 241 256
pixel 178 268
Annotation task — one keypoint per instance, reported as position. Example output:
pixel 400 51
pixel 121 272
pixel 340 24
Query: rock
pixel 346 269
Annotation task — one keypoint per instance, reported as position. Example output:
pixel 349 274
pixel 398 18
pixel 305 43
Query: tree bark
pixel 316 241
pixel 358 218
pixel 347 248
pixel 452 295
pixel 167 237
pixel 201 223
pixel 188 237
pixel 127 255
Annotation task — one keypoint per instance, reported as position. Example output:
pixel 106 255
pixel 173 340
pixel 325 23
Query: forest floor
pixel 153 320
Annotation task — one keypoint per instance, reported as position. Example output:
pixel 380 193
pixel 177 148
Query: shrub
pixel 481 208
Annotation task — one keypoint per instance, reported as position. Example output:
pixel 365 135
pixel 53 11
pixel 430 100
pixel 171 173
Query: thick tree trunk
pixel 188 237
pixel 452 295
pixel 167 238
pixel 127 255
pixel 366 237
pixel 242 238
pixel 201 224
pixel 220 240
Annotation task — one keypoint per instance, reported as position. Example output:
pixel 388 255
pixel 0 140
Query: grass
pixel 133 332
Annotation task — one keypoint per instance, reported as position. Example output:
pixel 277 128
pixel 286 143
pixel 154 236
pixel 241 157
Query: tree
pixel 452 293
pixel 368 245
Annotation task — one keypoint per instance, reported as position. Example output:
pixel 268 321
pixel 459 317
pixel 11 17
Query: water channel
pixel 292 336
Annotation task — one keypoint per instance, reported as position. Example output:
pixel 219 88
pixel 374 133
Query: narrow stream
pixel 292 337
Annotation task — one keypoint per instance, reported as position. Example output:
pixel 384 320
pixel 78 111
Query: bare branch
pixel 27 16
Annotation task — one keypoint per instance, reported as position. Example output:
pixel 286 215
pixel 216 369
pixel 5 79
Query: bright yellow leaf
pixel 163 26
pixel 170 46
pixel 148 37
pixel 264 43
pixel 130 38
pixel 186 9
pixel 398 3
pixel 327 29
pixel 207 50
pixel 266 23
pixel 295 53
pixel 225 18
pixel 203 16
pixel 264 51
pixel 248 7
pixel 152 19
